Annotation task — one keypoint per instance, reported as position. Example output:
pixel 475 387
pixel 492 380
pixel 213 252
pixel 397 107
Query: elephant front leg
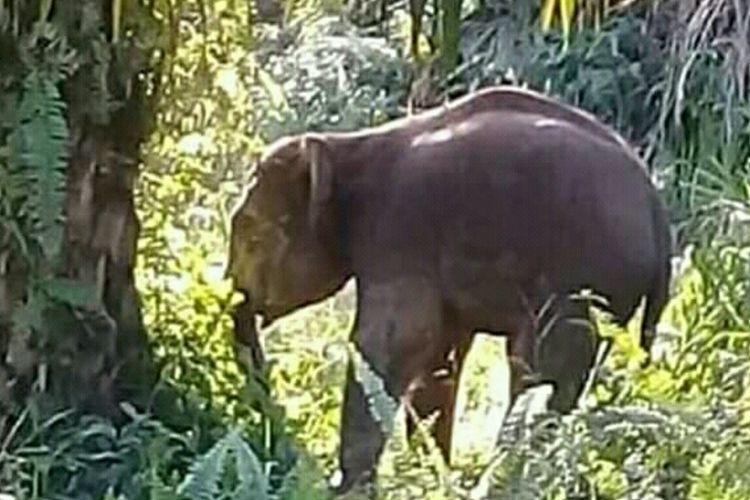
pixel 397 332
pixel 362 439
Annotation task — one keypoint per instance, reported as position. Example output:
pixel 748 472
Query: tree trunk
pixel 100 245
pixel 92 351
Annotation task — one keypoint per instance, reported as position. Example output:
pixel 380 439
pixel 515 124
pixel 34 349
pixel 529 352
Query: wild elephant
pixel 465 218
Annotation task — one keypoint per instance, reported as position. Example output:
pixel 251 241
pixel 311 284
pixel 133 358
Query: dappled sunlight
pixel 307 351
pixel 482 397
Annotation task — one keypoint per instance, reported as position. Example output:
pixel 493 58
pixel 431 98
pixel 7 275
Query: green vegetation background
pixel 677 429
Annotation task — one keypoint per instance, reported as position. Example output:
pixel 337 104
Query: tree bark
pixel 100 245
pixel 94 356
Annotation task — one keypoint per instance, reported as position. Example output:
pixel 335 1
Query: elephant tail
pixel 658 293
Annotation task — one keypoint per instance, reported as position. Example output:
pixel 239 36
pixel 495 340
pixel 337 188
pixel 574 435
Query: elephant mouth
pixel 258 308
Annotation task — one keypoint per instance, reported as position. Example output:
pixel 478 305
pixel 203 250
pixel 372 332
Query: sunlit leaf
pixel 548 13
pixel 274 90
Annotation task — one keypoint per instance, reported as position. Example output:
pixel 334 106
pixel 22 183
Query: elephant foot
pixel 362 484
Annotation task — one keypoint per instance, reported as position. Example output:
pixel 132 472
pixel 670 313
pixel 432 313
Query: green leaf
pixel 253 482
pixel 416 12
pixel 29 315
pixel 567 9
pixel 548 14
pixel 451 17
pixel 274 90
pixel 45 7
pixel 68 291
pixel 382 406
pixel 38 160
pixel 116 20
pixel 202 483
pixel 204 474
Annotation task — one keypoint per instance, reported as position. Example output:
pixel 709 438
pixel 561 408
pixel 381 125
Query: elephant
pixel 481 215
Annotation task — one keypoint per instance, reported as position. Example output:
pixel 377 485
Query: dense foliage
pixel 673 77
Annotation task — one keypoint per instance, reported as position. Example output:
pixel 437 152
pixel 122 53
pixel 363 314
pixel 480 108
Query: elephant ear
pixel 316 150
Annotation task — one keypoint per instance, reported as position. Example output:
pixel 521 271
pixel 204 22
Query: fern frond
pixel 253 483
pixel 38 160
pixel 382 406
pixel 201 482
pixel 158 490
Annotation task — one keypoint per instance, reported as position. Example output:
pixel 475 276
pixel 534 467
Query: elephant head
pixel 284 250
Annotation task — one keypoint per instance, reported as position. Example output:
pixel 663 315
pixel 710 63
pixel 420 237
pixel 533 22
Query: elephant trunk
pixel 247 340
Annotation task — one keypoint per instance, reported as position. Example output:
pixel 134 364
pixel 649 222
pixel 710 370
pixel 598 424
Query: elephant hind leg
pixel 567 354
pixel 558 348
pixel 435 391
pixel 521 359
